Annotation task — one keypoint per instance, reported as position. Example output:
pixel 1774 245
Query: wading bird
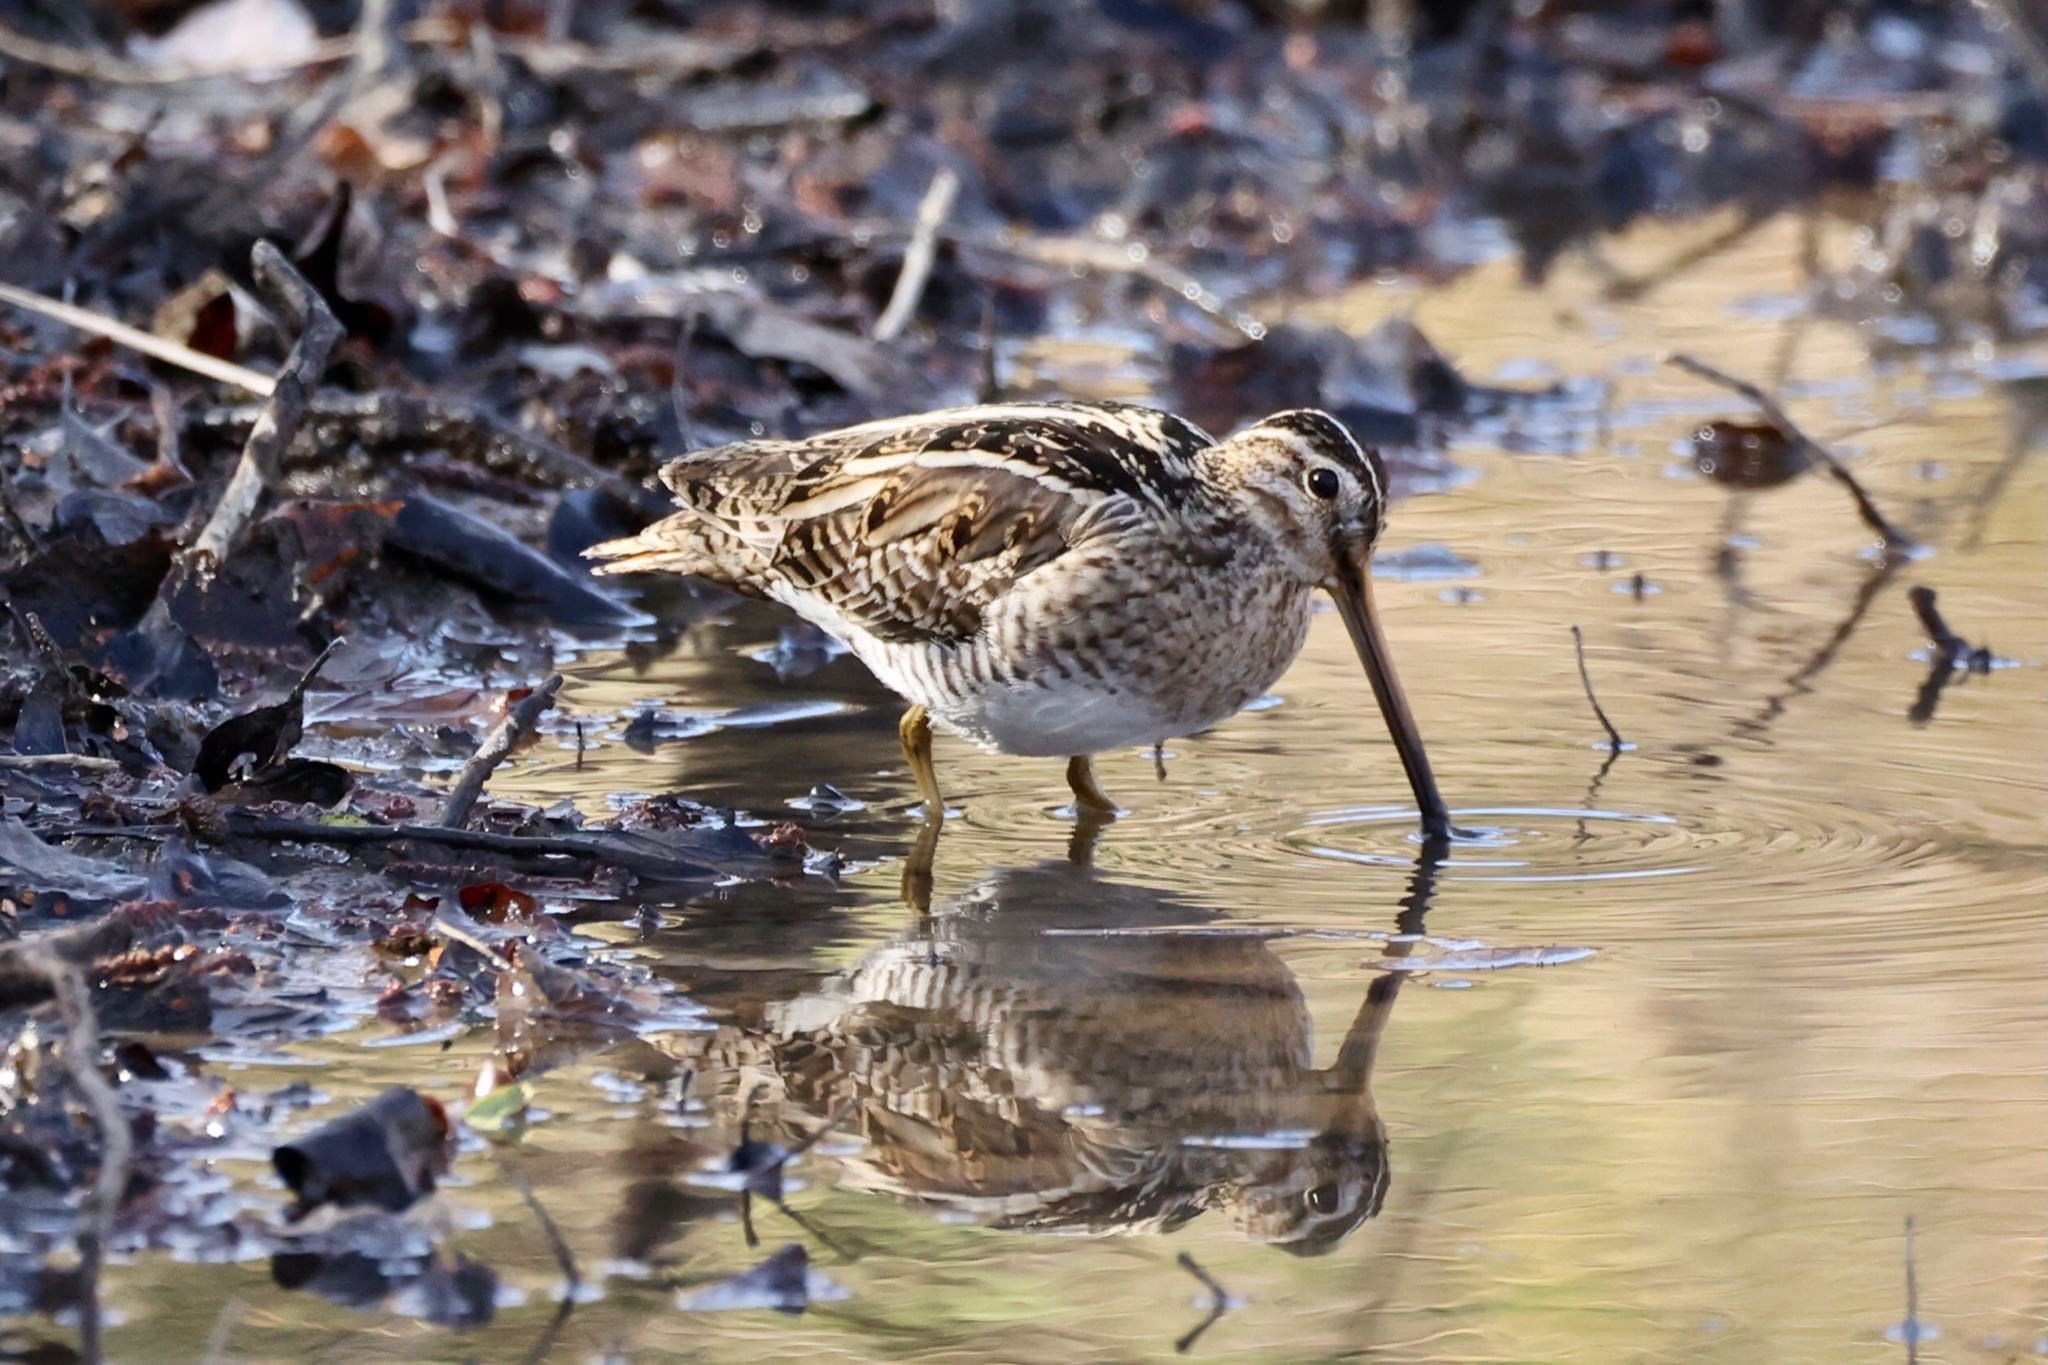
pixel 1052 579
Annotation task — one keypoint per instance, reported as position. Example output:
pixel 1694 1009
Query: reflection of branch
pixel 1796 681
pixel 1893 538
pixel 1615 743
pixel 1219 1303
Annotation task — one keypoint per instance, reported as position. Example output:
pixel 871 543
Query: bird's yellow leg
pixel 1091 798
pixel 916 731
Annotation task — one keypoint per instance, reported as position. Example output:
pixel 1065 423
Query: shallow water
pixel 1654 1068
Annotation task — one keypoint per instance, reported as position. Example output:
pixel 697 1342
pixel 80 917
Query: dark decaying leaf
pixel 300 781
pixel 495 561
pixel 386 1154
pixel 1748 455
pixel 254 741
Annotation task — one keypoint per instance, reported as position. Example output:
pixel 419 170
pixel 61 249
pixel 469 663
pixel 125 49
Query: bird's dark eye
pixel 1323 482
pixel 1323 1198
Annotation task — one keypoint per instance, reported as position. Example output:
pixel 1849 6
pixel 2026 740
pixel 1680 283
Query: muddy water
pixel 1654 1068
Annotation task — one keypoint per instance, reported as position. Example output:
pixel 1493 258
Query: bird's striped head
pixel 1319 494
pixel 1320 498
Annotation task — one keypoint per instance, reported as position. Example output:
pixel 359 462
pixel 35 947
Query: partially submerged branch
pixel 497 746
pixel 1892 536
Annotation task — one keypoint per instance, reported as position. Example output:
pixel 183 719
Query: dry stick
pixel 919 255
pixel 517 725
pixel 80 762
pixel 81 1060
pixel 156 347
pixel 1219 1302
pixel 1615 743
pixel 279 421
pixel 1892 536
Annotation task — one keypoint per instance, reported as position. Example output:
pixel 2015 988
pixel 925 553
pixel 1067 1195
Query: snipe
pixel 1052 579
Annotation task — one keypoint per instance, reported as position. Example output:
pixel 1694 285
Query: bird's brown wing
pixel 910 528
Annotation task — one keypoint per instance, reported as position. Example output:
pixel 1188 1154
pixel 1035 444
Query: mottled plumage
pixel 1049 579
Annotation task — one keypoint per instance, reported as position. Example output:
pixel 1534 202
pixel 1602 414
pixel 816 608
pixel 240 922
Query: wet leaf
pixel 1746 455
pixel 257 740
pixel 497 903
pixel 386 1154
pixel 501 1115
pixel 493 560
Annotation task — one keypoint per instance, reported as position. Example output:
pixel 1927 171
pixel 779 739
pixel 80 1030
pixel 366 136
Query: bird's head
pixel 1320 497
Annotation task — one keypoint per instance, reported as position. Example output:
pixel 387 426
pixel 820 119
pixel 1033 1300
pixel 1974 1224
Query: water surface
pixel 1653 1069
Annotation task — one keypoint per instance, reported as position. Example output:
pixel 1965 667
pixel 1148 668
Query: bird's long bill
pixel 1353 592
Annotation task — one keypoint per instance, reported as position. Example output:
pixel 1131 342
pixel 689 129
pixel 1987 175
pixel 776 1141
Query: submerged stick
pixel 919 255
pixel 1615 743
pixel 81 1061
pixel 497 746
pixel 1891 535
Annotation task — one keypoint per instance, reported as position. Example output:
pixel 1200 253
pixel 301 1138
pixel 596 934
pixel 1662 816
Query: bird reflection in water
pixel 1055 1050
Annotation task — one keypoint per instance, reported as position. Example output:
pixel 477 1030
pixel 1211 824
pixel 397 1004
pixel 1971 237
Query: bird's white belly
pixel 1057 719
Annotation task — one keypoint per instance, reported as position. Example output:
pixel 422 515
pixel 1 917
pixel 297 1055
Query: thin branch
pixel 80 762
pixel 81 1061
pixel 1892 536
pixel 919 255
pixel 1615 743
pixel 264 451
pixel 156 347
pixel 517 725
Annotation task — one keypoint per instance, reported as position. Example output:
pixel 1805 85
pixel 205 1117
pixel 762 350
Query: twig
pixel 919 255
pixel 1110 258
pixel 1891 535
pixel 517 725
pixel 81 1060
pixel 1219 1303
pixel 1615 743
pixel 156 347
pixel 264 451
pixel 81 762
